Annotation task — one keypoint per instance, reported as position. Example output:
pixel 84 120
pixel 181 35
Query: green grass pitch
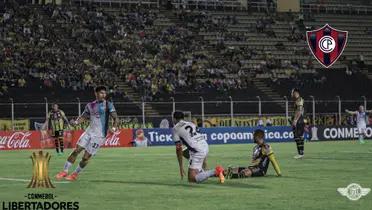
pixel 147 178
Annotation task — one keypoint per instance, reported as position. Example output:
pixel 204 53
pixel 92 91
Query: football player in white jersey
pixel 187 134
pixel 361 120
pixel 98 112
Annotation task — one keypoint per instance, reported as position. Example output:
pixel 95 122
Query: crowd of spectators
pixel 80 47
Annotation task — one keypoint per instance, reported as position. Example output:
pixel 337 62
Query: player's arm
pixel 65 118
pixel 114 116
pixel 84 116
pixel 179 153
pixel 269 152
pixel 297 115
pixel 369 111
pixel 352 112
pixel 255 161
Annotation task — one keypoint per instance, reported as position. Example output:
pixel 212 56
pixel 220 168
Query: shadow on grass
pixel 227 184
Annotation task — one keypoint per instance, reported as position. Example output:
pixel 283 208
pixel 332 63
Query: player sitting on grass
pixel 94 136
pixel 186 133
pixel 262 156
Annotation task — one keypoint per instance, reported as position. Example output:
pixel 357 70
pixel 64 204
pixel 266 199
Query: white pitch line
pixel 26 180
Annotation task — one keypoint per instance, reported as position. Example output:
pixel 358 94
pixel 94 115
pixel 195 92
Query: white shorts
pixel 197 158
pixel 90 143
pixel 362 129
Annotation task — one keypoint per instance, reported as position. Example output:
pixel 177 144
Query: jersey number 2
pixel 191 131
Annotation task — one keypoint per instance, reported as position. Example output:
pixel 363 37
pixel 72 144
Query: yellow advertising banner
pixel 242 121
pixel 19 125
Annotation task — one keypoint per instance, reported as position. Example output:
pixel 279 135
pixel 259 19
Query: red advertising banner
pixel 15 140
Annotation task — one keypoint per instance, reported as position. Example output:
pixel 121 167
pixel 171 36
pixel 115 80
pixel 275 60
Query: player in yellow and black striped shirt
pixel 57 120
pixel 298 123
pixel 262 156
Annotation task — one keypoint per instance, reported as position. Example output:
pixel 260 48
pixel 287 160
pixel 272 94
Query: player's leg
pixel 82 143
pixel 205 166
pixel 91 149
pixel 69 162
pixel 60 139
pixel 299 139
pixel 238 172
pixel 196 172
pixel 56 143
pixel 362 133
pixel 198 175
pixel 84 161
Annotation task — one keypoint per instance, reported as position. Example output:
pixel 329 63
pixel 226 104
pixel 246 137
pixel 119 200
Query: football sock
pixel 67 166
pixel 300 146
pixel 61 144
pixel 78 169
pixel 361 138
pixel 204 175
pixel 57 145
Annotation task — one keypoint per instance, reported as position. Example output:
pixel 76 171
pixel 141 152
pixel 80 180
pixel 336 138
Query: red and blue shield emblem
pixel 327 44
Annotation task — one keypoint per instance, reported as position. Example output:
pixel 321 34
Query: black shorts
pixel 57 134
pixel 257 171
pixel 299 129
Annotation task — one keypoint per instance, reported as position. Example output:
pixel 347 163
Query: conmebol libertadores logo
pixel 327 44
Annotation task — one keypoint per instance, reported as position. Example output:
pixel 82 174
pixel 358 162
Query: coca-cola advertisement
pixel 15 140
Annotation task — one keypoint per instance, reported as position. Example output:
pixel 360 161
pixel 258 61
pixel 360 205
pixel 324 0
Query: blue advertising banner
pixel 220 135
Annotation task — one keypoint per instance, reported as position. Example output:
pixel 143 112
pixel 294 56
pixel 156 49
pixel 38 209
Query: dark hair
pixel 99 88
pixel 258 134
pixel 295 90
pixel 178 115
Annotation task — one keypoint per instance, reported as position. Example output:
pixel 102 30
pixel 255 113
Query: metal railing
pixel 147 112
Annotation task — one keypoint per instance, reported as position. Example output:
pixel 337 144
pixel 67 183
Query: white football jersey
pixel 189 135
pixel 361 118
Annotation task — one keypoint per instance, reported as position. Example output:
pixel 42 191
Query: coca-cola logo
pixel 113 140
pixel 16 140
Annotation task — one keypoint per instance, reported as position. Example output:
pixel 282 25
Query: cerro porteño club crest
pixel 327 44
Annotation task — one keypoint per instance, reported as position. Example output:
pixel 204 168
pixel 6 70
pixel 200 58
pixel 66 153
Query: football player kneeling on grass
pixel 187 134
pixel 261 158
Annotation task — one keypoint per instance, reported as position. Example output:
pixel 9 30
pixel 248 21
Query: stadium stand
pixel 154 54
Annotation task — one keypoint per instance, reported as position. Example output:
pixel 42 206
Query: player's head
pixel 177 116
pixel 361 108
pixel 295 93
pixel 100 92
pixel 259 136
pixel 55 107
